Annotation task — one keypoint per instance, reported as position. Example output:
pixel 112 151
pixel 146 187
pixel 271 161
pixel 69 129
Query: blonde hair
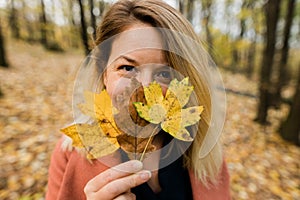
pixel 156 13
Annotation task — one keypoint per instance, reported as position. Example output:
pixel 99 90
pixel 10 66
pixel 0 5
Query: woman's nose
pixel 145 77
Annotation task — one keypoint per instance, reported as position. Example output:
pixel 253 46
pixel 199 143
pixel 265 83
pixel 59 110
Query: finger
pixel 112 174
pixel 126 196
pixel 122 185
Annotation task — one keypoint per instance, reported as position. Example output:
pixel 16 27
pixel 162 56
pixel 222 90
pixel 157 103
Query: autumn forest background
pixel 255 44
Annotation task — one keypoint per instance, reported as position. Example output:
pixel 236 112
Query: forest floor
pixel 37 103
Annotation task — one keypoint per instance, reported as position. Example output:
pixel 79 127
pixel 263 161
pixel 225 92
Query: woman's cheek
pixel 117 86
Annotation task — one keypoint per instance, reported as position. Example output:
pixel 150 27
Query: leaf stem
pixel 147 144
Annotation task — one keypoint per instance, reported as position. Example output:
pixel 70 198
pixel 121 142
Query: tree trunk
pixel 3 61
pixel 190 10
pixel 243 28
pixel 70 13
pixel 245 5
pixel 102 5
pixel 272 14
pixel 43 21
pixel 73 29
pixel 252 49
pixel 206 6
pixel 84 35
pixel 282 75
pixel 32 35
pixel 93 18
pixel 235 56
pixel 290 129
pixel 208 36
pixel 181 7
pixel 251 58
pixel 13 19
pixel 186 8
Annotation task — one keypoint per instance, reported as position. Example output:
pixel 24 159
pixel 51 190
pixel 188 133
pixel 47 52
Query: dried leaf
pixel 93 139
pixel 132 144
pixel 100 138
pixel 136 130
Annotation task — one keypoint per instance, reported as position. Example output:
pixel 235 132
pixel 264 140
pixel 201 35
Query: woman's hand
pixel 115 183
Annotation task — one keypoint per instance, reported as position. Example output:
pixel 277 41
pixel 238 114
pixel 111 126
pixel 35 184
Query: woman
pixel 139 38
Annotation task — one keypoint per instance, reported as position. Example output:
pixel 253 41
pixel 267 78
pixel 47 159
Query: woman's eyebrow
pixel 128 59
pixel 163 66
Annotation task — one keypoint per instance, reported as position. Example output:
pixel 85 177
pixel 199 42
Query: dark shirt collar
pixel 174 181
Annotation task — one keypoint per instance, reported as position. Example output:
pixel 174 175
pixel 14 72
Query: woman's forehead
pixel 136 38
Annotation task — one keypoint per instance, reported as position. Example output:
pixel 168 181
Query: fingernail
pixel 137 164
pixel 145 175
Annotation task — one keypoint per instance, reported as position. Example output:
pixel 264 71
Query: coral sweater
pixel 69 172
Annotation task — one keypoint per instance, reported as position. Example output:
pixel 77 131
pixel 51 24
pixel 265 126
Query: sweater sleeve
pixel 70 171
pixel 59 160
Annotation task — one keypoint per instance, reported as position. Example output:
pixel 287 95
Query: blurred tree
pixel 290 128
pixel 236 51
pixel 235 55
pixel 284 51
pixel 29 21
pixel 187 9
pixel 255 13
pixel 93 17
pixel 48 29
pixel 43 21
pixel 244 9
pixel 181 6
pixel 272 14
pixel 70 13
pixel 206 12
pixel 244 44
pixel 190 10
pixel 3 60
pixel 251 57
pixel 228 15
pixel 72 27
pixel 102 6
pixel 84 35
pixel 13 19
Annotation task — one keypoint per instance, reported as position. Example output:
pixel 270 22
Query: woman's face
pixel 136 54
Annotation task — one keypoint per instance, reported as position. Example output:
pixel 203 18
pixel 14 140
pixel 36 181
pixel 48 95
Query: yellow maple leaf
pixel 181 90
pixel 99 107
pixel 92 138
pixel 100 138
pixel 153 94
pixel 168 110
pixel 72 132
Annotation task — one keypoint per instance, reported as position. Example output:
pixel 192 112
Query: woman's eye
pixel 165 74
pixel 127 68
pixel 127 71
pixel 163 77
